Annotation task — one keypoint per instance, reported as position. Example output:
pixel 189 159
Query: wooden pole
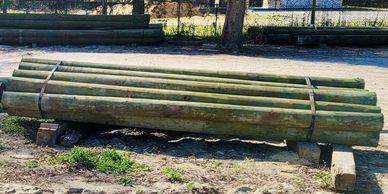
pixel 65 68
pixel 316 81
pixel 238 121
pixel 355 97
pixel 178 13
pixel 60 87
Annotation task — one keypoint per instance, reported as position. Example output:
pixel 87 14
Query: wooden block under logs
pixel 343 168
pixel 48 133
pixel 306 150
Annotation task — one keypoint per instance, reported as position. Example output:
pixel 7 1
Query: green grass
pixel 125 180
pixel 19 125
pixel 3 148
pixel 173 175
pixel 107 161
pixel 193 31
pixel 324 179
pixel 31 163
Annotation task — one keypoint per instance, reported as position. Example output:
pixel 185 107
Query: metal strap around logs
pixel 310 88
pixel 42 90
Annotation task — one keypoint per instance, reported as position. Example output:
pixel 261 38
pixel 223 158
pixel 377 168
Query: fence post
pixel 178 12
pixel 216 6
pixel 104 7
pixel 313 12
pixel 4 6
pixel 138 7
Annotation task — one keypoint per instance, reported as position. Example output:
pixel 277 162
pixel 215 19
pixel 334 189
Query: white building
pixel 301 4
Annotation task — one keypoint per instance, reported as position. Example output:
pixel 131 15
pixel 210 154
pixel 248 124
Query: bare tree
pixel 232 38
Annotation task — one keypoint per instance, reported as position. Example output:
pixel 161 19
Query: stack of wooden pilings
pixel 322 35
pixel 53 29
pixel 225 103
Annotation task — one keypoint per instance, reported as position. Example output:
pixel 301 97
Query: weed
pixel 19 125
pixel 173 175
pixel 216 163
pixel 190 186
pixel 113 161
pixel 79 157
pixel 324 179
pixel 125 180
pixel 107 161
pixel 31 163
pixel 4 148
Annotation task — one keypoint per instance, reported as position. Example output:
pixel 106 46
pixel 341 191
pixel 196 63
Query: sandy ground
pixel 245 167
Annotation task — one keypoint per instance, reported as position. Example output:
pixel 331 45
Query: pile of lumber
pixel 53 29
pixel 222 103
pixel 323 35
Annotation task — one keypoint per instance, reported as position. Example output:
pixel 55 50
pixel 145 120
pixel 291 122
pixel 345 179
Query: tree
pixel 232 38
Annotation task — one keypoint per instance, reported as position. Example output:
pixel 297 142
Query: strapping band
pixel 310 88
pixel 44 88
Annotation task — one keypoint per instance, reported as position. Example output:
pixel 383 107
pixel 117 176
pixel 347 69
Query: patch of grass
pixel 107 161
pixel 79 156
pixel 125 180
pixel 193 31
pixel 173 175
pixel 113 161
pixel 216 163
pixel 190 186
pixel 324 179
pixel 31 163
pixel 19 125
pixel 4 148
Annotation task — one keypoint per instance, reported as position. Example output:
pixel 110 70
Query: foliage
pixel 79 156
pixel 3 148
pixel 173 175
pixel 107 161
pixel 31 163
pixel 324 179
pixel 125 180
pixel 190 186
pixel 19 125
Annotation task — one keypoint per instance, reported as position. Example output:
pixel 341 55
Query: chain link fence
pixel 205 18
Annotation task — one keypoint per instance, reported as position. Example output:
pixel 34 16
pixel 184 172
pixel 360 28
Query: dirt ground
pixel 211 166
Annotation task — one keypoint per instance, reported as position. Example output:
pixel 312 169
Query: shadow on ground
pixel 375 56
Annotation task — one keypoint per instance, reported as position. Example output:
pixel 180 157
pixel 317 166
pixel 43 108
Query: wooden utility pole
pixel 232 39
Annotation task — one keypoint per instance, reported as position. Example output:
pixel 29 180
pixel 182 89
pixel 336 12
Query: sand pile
pixel 155 8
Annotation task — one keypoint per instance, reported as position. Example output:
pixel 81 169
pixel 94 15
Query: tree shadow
pixel 375 56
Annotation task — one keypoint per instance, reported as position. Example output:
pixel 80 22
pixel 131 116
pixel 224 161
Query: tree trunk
pixel 232 34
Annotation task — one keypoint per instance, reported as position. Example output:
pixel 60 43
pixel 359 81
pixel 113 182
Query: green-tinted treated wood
pixel 64 68
pixel 61 17
pixel 317 81
pixel 342 39
pixel 355 97
pixel 183 116
pixel 81 41
pixel 263 116
pixel 81 37
pixel 319 30
pixel 112 34
pixel 70 25
pixel 59 87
